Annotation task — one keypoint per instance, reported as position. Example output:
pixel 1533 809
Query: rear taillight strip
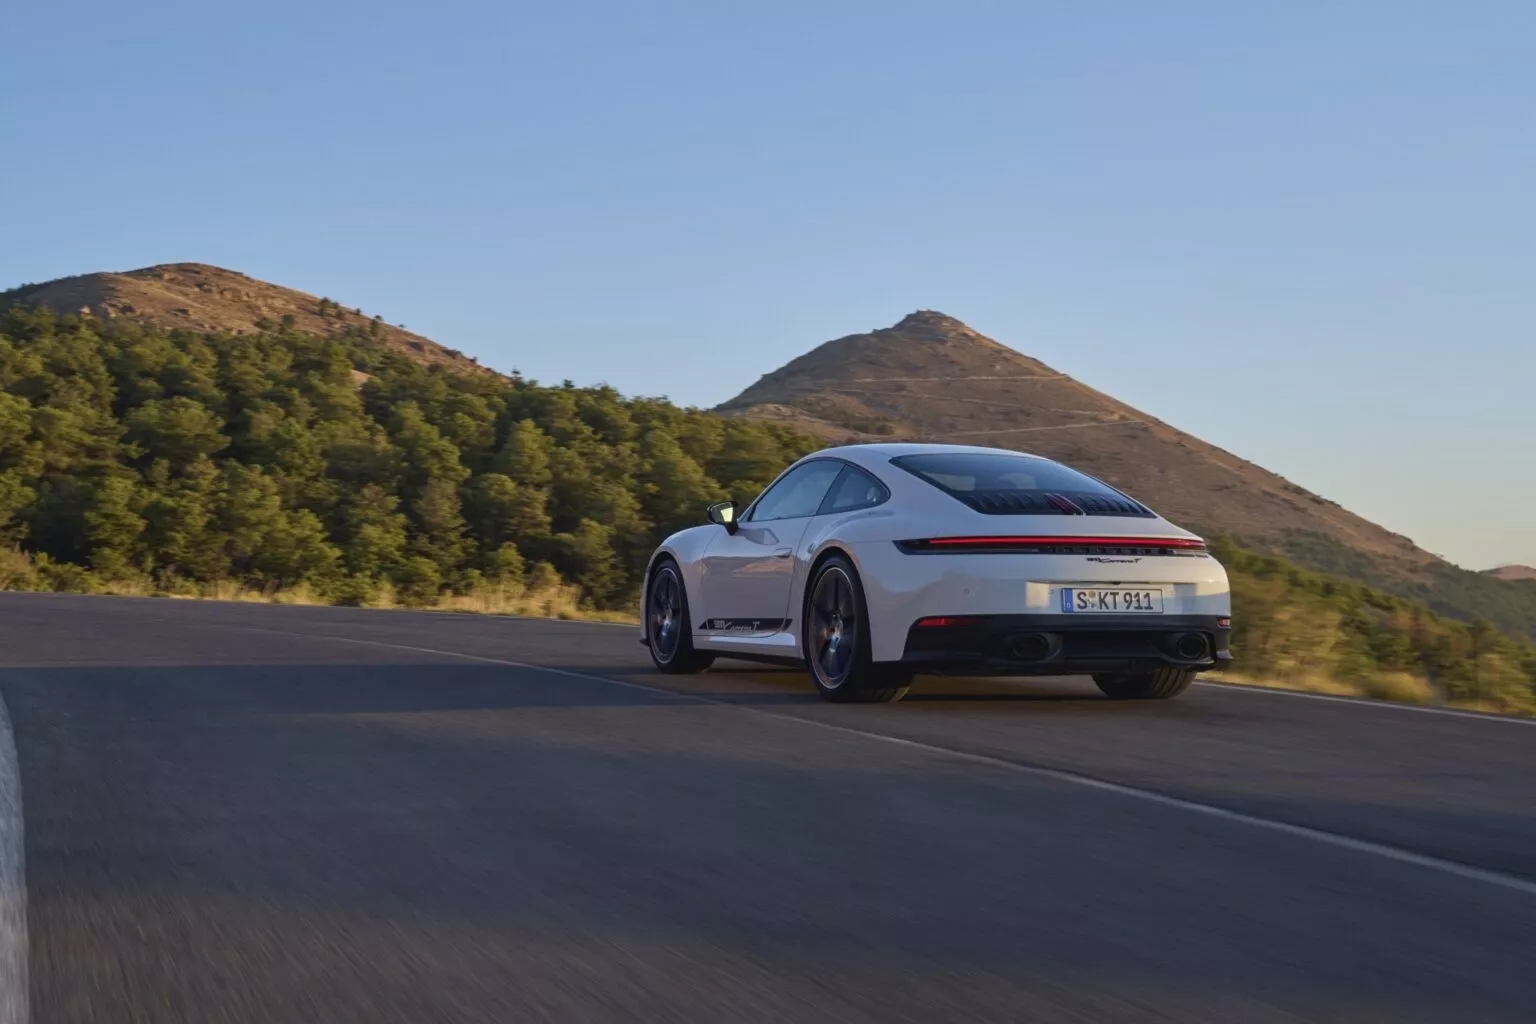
pixel 1055 545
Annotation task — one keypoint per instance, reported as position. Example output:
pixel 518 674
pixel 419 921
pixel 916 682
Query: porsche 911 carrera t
pixel 873 563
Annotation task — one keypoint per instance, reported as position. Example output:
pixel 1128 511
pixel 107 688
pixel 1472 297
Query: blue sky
pixel 1305 232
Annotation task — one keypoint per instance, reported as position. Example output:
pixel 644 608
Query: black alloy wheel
pixel 836 640
pixel 667 631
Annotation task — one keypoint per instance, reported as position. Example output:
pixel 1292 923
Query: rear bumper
pixel 1047 645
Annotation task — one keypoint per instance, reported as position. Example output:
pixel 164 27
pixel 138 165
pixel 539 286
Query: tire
pixel 668 627
pixel 835 637
pixel 1159 684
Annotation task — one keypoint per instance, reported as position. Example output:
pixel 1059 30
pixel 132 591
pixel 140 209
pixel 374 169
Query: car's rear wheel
pixel 1159 684
pixel 668 628
pixel 835 632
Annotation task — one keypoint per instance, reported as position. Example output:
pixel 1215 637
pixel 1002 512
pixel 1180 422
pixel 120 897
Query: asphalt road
pixel 249 813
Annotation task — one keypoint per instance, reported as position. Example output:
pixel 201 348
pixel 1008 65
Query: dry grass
pixel 1397 687
pixel 1301 683
pixel 544 598
pixel 16 570
pixel 553 601
pixel 1402 687
pixel 128 588
pixel 557 601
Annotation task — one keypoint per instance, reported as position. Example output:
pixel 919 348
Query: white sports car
pixel 873 563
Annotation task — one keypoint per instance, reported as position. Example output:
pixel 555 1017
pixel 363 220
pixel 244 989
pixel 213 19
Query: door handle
pixel 783 552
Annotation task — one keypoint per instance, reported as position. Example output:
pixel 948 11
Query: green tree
pixel 673 490
pixel 295 550
pixel 178 524
pixel 491 503
pixel 441 523
pixel 418 581
pixel 586 556
pixel 505 564
pixel 247 507
pixel 113 525
pixel 177 429
pixel 16 496
pixel 17 450
pixel 375 536
pixel 524 457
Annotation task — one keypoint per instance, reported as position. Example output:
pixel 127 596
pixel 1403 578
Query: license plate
pixel 1114 600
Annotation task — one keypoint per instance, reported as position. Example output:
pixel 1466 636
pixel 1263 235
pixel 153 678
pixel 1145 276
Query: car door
pixel 747 574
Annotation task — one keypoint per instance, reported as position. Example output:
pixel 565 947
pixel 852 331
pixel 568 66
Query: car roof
pixel 873 454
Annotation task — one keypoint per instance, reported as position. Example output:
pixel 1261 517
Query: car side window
pixel 798 493
pixel 854 490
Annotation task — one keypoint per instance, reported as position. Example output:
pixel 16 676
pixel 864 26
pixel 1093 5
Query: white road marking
pixel 1366 702
pixel 14 980
pixel 1514 883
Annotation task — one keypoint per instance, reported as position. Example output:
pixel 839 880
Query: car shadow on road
pixel 925 689
pixel 1024 696
pixel 810 697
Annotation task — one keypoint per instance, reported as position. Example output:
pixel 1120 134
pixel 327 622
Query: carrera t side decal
pixel 744 625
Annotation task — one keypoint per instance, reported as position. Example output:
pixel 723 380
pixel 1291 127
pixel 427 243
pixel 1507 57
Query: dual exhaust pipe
pixel 1031 647
pixel 1192 646
pixel 1037 647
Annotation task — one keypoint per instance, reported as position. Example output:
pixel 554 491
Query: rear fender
pixel 814 553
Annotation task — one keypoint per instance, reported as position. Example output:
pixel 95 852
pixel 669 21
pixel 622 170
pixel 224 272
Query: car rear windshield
pixel 1003 484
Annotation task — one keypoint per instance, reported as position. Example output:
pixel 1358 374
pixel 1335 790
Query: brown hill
pixel 931 377
pixel 199 297
pixel 1512 572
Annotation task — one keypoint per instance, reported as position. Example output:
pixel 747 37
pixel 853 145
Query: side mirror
pixel 723 513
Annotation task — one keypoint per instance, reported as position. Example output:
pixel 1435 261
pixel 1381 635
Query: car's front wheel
pixel 1159 684
pixel 668 629
pixel 835 634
